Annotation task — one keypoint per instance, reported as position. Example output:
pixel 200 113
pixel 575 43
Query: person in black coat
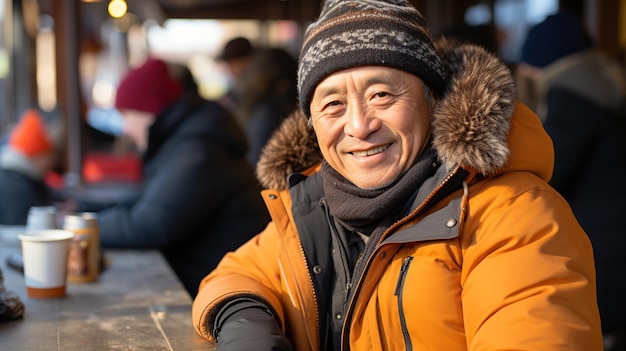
pixel 199 197
pixel 268 94
pixel 25 160
pixel 580 95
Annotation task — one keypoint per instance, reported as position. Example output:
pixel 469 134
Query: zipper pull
pixel 402 275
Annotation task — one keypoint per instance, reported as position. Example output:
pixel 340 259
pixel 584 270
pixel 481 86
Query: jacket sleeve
pixel 252 270
pixel 528 276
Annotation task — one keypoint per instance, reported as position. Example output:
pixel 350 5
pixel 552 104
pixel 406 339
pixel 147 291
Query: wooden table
pixel 137 304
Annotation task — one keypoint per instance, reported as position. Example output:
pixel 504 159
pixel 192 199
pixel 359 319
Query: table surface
pixel 136 304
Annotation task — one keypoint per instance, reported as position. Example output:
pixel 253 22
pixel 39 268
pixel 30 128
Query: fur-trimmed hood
pixel 472 125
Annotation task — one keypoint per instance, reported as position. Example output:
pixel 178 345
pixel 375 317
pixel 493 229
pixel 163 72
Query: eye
pixel 381 94
pixel 333 107
pixel 381 98
pixel 327 105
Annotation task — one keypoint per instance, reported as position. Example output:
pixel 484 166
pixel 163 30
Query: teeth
pixel 370 152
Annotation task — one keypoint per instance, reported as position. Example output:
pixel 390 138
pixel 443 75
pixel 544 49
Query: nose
pixel 361 121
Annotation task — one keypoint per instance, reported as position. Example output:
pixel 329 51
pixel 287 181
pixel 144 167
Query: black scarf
pixel 364 210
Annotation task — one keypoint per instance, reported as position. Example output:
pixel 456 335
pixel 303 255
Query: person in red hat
pixel 199 197
pixel 25 160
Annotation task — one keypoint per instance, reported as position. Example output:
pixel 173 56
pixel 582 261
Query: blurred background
pixel 65 57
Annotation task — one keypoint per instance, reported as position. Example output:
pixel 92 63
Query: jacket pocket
pixel 399 293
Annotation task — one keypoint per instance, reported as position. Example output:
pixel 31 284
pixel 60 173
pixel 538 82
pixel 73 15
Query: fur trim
pixel 470 122
pixel 292 148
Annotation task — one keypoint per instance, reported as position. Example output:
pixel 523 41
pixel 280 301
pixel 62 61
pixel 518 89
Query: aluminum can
pixel 83 264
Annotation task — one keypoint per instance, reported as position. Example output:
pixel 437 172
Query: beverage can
pixel 83 264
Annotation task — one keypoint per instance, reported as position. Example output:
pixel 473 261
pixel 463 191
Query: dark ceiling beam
pixel 301 11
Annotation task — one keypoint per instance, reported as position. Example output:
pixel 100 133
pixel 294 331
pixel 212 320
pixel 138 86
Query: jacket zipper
pixel 399 292
pixel 392 228
pixel 342 250
pixel 317 311
pixel 317 319
pixel 323 340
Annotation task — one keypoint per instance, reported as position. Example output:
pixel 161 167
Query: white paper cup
pixel 45 261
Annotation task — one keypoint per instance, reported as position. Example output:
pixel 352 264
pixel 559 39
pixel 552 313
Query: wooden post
pixel 66 28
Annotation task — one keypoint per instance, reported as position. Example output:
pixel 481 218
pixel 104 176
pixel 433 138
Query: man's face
pixel 371 123
pixel 45 161
pixel 235 67
pixel 136 125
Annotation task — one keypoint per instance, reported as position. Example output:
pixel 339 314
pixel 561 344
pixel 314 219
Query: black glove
pixel 249 325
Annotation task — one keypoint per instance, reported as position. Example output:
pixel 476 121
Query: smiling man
pixel 410 207
pixel 371 123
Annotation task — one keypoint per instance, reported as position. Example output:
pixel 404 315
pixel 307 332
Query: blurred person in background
pixel 235 57
pixel 199 197
pixel 184 76
pixel 28 157
pixel 579 93
pixel 268 94
pixel 483 35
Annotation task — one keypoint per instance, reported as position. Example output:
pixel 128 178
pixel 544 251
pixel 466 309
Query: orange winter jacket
pixel 498 264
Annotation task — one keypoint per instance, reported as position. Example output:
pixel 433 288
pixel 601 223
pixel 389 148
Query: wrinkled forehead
pixel 365 77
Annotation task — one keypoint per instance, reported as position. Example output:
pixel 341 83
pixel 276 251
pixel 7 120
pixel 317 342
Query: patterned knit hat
pixel 30 136
pixel 147 88
pixel 352 33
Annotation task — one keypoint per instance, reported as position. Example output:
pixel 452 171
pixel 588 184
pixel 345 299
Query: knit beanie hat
pixel 559 35
pixel 30 136
pixel 147 88
pixel 351 33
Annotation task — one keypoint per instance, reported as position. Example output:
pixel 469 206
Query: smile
pixel 371 151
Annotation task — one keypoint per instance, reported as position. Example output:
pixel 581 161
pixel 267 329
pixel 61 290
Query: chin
pixel 378 183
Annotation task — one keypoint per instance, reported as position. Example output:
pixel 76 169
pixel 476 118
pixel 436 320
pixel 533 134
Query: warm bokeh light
pixel 5 63
pixel 103 93
pixel 46 72
pixel 117 8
